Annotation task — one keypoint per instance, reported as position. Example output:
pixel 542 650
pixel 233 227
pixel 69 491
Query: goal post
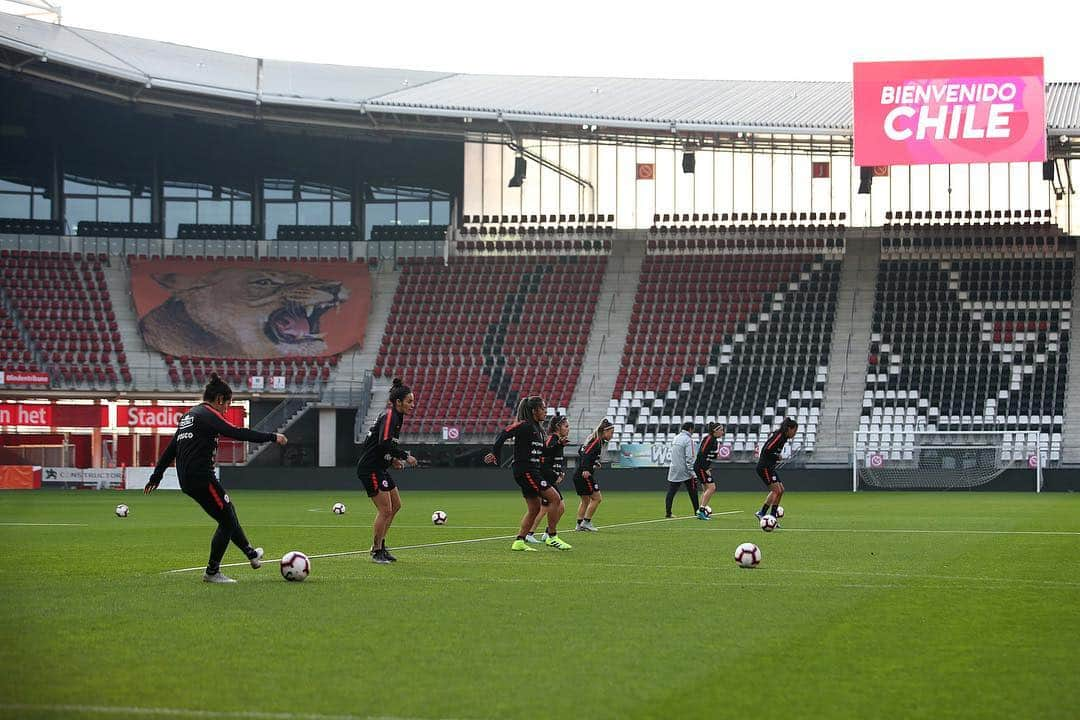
pixel 943 459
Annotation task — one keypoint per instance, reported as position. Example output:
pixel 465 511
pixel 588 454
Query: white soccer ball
pixel 707 509
pixel 438 517
pixel 779 511
pixel 295 566
pixel 748 555
pixel 768 523
pixel 121 510
pixel 339 508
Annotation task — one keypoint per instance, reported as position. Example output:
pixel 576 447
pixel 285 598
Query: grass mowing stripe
pixel 183 712
pixel 19 524
pixel 447 542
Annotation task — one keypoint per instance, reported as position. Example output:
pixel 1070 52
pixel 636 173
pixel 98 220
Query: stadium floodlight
pixel 519 172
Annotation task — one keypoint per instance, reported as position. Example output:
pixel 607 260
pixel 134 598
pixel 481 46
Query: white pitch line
pixel 886 531
pixel 22 524
pixel 187 713
pixel 450 542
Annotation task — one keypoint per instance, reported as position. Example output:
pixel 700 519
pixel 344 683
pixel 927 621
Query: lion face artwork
pixel 242 312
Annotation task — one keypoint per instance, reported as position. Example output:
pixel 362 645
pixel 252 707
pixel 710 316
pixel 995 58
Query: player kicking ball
pixel 766 467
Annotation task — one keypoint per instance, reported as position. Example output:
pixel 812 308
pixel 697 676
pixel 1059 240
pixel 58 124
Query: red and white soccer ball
pixel 295 566
pixel 707 509
pixel 748 555
pixel 438 517
pixel 339 508
pixel 121 510
pixel 779 511
pixel 768 523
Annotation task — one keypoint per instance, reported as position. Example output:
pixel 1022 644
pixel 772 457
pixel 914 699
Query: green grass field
pixel 876 605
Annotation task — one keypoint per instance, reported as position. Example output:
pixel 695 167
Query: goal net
pixel 939 459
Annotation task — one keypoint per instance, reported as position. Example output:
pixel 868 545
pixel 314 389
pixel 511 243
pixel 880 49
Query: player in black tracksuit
pixel 529 439
pixel 766 467
pixel 708 449
pixel 553 467
pixel 194 447
pixel 378 453
pixel 585 483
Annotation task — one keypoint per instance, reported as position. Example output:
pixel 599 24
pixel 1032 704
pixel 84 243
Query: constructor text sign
pixel 950 111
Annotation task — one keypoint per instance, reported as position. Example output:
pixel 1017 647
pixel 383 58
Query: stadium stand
pixel 735 331
pixel 319 232
pixel 478 333
pixel 203 231
pixel 18 226
pixel 970 332
pixel 75 338
pixel 89 228
pixel 541 234
pixel 300 374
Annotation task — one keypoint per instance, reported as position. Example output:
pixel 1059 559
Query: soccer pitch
pixel 891 605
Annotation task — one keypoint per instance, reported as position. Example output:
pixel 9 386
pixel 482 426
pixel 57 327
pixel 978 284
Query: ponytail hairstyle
pixel 554 423
pixel 599 430
pixel 712 427
pixel 527 406
pixel 398 391
pixel 789 423
pixel 216 387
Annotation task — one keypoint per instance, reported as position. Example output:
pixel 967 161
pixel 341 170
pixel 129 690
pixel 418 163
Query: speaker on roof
pixel 519 172
pixel 866 177
pixel 1048 171
pixel 688 162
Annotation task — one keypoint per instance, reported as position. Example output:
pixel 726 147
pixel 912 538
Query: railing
pixel 272 422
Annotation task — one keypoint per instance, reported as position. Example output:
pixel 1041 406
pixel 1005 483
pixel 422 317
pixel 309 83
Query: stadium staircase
pixel 278 420
pixel 607 337
pixel 362 359
pixel 1070 435
pixel 148 369
pixel 847 356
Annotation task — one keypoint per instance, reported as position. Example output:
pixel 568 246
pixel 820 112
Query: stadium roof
pixel 639 105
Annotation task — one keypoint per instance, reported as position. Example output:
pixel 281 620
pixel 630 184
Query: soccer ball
pixel 707 509
pixel 438 517
pixel 295 566
pixel 339 508
pixel 748 555
pixel 121 510
pixel 779 511
pixel 768 523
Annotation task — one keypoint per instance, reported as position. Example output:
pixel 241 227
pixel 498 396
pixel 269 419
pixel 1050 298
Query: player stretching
pixel 194 447
pixel 585 476
pixel 553 468
pixel 528 450
pixel 766 467
pixel 708 449
pixel 378 453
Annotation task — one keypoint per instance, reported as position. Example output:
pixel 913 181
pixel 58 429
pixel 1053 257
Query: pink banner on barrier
pixel 950 111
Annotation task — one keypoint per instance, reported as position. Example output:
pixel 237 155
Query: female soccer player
pixel 528 449
pixel 682 468
pixel 766 467
pixel 585 476
pixel 378 453
pixel 558 433
pixel 194 447
pixel 707 452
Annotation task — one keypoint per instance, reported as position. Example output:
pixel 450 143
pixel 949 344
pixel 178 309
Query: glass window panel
pixel 384 193
pixel 79 209
pixel 278 214
pixel 79 188
pixel 114 190
pixel 342 213
pixel 140 210
pixel 42 207
pixel 179 190
pixel 241 212
pixel 314 192
pixel 440 213
pixel 114 210
pixel 13 186
pixel 314 213
pixel 176 212
pixel 378 214
pixel 214 212
pixel 414 213
pixel 278 189
pixel 14 206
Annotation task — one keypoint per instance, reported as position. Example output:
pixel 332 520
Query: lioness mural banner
pixel 250 309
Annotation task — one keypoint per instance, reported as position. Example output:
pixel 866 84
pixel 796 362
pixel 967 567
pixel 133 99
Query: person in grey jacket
pixel 682 468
